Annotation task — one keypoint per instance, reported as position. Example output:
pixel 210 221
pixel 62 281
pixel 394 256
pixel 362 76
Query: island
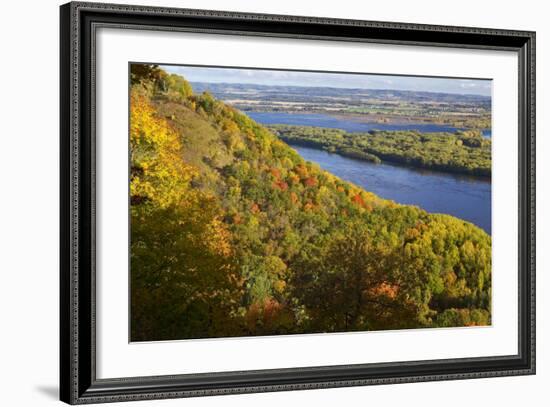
pixel 464 152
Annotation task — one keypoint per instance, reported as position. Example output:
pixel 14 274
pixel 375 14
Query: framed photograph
pixel 255 203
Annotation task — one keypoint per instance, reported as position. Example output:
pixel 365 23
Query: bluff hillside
pixel 233 233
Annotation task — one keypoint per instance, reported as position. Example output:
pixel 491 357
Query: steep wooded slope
pixel 233 233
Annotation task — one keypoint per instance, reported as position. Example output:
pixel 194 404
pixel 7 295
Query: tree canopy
pixel 465 152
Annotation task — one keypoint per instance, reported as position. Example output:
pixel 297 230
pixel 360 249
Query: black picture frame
pixel 78 382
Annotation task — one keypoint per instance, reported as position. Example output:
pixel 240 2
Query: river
pixel 468 198
pixel 325 120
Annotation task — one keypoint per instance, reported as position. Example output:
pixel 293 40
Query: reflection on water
pixel 465 197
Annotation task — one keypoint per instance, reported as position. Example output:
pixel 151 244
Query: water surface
pixel 468 198
pixel 325 120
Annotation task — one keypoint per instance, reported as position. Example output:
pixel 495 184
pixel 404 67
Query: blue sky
pixel 364 81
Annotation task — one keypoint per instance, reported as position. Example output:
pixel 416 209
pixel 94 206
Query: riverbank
pixel 352 123
pixel 460 153
pixel 467 198
pixel 457 121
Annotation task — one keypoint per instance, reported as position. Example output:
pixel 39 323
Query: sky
pixel 362 81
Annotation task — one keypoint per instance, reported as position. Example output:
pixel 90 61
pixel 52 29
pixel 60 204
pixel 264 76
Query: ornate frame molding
pixel 79 21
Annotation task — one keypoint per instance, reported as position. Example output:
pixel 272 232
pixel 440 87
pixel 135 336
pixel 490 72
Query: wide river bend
pixel 465 197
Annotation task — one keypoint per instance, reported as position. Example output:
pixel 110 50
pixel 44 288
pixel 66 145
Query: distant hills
pixel 312 93
pixel 472 112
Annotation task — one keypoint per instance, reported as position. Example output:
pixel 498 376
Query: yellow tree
pixel 183 275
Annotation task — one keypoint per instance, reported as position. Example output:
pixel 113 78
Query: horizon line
pixel 448 85
pixel 334 87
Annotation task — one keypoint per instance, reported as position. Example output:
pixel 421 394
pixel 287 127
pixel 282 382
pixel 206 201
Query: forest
pixel 234 234
pixel 464 152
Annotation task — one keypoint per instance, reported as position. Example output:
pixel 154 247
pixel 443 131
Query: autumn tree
pixel 183 275
pixel 233 233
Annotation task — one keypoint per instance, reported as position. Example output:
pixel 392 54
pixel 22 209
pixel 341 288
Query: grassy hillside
pixel 233 234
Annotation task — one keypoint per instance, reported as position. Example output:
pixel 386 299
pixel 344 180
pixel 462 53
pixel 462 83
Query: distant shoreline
pixel 370 119
pixel 466 154
pixel 482 178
